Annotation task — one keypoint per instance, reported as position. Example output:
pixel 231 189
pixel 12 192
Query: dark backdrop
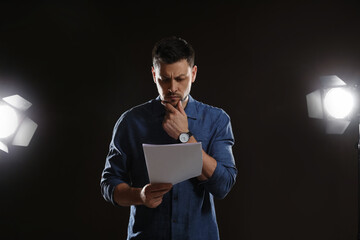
pixel 82 64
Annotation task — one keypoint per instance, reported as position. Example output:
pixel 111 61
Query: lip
pixel 173 97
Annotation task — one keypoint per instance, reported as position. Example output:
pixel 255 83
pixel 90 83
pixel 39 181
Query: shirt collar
pixel 190 109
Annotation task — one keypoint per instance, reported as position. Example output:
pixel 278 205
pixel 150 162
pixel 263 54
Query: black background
pixel 83 63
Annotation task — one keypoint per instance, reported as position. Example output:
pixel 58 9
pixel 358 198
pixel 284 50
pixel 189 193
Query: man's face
pixel 174 81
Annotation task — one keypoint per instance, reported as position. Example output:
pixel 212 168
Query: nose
pixel 173 86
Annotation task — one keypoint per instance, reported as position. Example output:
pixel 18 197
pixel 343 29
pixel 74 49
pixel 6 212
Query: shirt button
pixel 175 198
pixel 174 221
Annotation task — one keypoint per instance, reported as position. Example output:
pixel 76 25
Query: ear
pixel 193 73
pixel 153 73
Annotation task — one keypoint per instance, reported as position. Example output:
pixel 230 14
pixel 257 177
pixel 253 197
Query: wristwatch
pixel 184 137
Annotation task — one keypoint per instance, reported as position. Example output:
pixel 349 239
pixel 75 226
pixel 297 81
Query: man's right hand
pixel 152 194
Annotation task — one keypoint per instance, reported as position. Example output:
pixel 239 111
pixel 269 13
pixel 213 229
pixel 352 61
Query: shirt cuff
pixel 219 170
pixel 109 190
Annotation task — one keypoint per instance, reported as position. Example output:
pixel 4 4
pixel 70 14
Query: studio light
pixel 334 103
pixel 15 127
pixel 8 121
pixel 337 104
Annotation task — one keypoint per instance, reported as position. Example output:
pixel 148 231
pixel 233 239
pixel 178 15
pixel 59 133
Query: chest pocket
pixel 201 134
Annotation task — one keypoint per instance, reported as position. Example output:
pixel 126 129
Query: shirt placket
pixel 175 213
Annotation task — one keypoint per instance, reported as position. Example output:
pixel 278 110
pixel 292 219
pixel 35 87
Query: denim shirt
pixel 188 210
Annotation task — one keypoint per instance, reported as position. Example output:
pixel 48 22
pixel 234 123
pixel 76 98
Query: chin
pixel 174 103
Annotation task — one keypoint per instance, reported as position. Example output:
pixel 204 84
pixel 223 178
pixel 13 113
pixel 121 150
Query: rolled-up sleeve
pixel 116 169
pixel 224 176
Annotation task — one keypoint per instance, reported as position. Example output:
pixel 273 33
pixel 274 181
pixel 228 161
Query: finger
pixel 160 186
pixel 170 108
pixel 164 102
pixel 169 124
pixel 152 203
pixel 166 117
pixel 157 195
pixel 160 192
pixel 181 108
pixel 156 203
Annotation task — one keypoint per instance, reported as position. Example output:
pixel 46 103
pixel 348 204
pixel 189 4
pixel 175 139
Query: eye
pixel 163 79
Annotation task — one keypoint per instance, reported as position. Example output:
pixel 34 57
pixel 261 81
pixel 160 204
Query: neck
pixel 185 101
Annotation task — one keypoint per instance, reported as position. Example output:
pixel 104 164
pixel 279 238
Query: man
pixel 162 211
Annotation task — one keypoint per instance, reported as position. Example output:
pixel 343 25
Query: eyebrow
pixel 181 75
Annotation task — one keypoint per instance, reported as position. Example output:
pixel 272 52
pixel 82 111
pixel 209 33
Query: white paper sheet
pixel 173 163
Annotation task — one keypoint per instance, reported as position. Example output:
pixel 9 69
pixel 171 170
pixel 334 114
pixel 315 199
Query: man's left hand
pixel 175 120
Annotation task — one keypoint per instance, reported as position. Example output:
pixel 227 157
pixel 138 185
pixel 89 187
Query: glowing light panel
pixel 18 102
pixel 3 147
pixel 8 121
pixel 338 102
pixel 25 132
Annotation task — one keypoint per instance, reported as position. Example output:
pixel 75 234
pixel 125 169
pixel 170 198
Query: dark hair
pixel 172 49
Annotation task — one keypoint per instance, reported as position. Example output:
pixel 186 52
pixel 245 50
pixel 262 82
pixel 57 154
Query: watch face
pixel 184 137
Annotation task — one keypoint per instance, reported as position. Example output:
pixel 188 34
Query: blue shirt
pixel 188 210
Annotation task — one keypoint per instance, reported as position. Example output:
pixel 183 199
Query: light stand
pixel 358 148
pixel 358 155
pixel 356 119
